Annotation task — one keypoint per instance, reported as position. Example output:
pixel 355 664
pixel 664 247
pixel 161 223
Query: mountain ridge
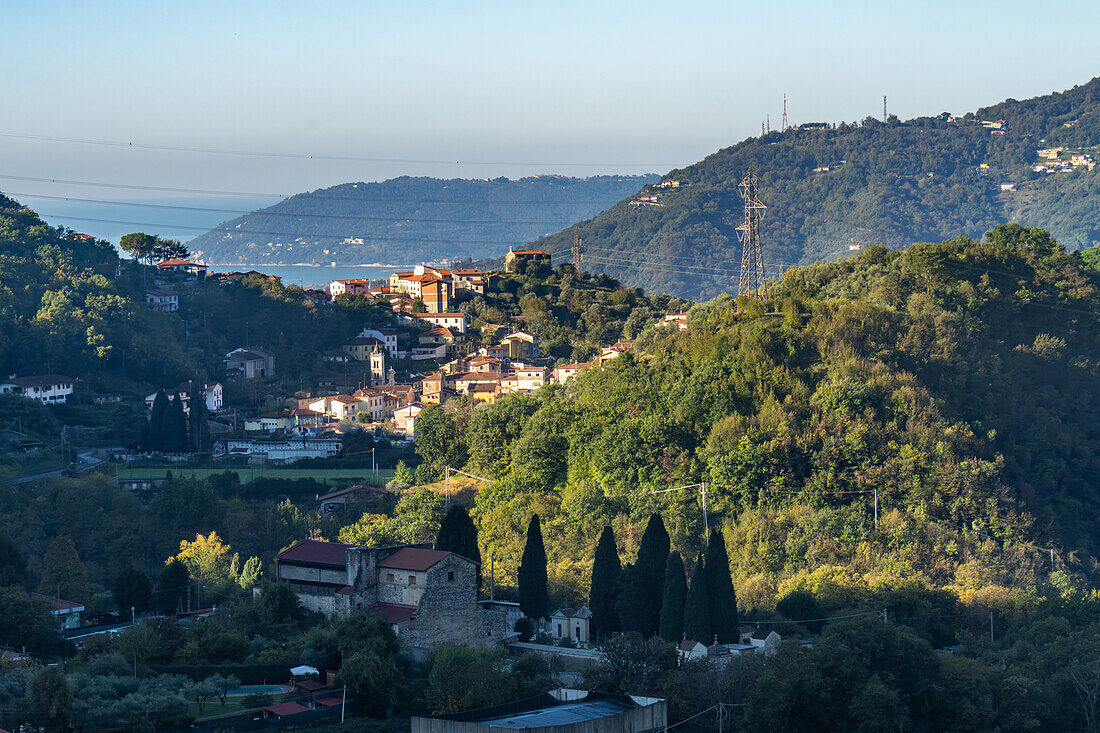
pixel 411 218
pixel 836 189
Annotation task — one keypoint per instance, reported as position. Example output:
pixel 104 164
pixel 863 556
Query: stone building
pixel 429 596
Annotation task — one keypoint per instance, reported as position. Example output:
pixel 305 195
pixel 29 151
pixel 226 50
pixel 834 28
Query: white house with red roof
pixel 429 596
pixel 49 389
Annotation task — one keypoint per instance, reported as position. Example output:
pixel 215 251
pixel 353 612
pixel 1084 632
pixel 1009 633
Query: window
pixel 412 580
pixel 389 577
pixel 450 576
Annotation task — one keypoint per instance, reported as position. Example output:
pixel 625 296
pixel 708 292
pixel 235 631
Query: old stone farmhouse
pixel 429 596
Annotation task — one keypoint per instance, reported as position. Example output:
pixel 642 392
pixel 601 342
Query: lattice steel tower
pixel 752 261
pixel 577 252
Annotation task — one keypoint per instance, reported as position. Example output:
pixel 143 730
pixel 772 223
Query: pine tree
pixel 200 421
pixel 606 569
pixel 534 601
pixel 723 601
pixel 156 422
pixel 458 534
pixel 632 601
pixel 697 605
pixel 675 596
pixel 652 556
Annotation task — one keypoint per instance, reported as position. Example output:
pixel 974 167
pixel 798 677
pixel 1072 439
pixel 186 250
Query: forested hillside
pixel 960 380
pixel 408 220
pixel 832 188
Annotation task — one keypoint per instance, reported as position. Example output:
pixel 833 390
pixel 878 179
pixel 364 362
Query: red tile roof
pixel 316 552
pixel 413 558
pixel 394 613
pixel 310 685
pixel 329 702
pixel 177 262
pixel 286 708
pixel 530 252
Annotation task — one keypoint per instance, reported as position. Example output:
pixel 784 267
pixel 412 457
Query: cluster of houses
pixel 433 286
pixel 1057 160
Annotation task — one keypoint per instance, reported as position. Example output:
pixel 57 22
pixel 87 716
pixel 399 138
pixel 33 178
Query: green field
pixel 247 473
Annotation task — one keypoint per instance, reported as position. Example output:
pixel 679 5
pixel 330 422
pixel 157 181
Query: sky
pixel 477 89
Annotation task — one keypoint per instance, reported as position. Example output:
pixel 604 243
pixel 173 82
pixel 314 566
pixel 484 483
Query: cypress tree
pixel 156 422
pixel 174 427
pixel 172 585
pixel 13 566
pixel 675 596
pixel 697 606
pixel 652 556
pixel 606 569
pixel 723 601
pixel 632 600
pixel 533 598
pixel 200 421
pixel 458 534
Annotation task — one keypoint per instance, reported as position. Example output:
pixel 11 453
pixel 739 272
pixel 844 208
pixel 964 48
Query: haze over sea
pixel 111 221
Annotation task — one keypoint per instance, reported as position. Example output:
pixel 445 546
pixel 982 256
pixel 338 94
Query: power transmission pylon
pixel 884 109
pixel 576 252
pixel 753 280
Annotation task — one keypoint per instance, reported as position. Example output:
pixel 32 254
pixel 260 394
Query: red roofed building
pixel 515 258
pixel 283 710
pixel 428 596
pixel 179 265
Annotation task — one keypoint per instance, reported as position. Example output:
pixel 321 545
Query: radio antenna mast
pixel 783 125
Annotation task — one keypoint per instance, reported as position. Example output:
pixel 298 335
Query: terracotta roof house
pixel 429 596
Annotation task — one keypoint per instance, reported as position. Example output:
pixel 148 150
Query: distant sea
pixel 315 276
pixel 183 218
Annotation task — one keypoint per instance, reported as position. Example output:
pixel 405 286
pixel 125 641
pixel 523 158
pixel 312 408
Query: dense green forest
pixel 829 188
pixel 408 220
pixel 959 380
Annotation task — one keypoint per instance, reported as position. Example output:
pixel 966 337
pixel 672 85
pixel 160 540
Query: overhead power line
pixel 326 197
pixel 317 156
pixel 178 207
pixel 304 235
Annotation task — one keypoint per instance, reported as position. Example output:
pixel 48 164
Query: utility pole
pixel 703 491
pixel 876 507
pixel 492 575
pixel 991 627
pixel 577 252
pixel 752 281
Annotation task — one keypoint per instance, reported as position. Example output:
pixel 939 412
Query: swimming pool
pixel 257 690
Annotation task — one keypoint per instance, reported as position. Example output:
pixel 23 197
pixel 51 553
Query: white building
pixel 565 372
pixel 389 338
pixel 214 397
pixel 349 287
pixel 404 418
pixel 339 407
pixel 49 389
pixel 166 301
pixel 453 321
pixel 284 451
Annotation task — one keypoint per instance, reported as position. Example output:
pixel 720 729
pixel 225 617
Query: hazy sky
pixel 615 86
